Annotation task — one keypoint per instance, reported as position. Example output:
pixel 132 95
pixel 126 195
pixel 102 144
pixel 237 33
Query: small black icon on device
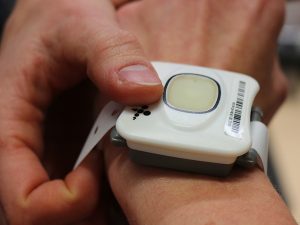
pixel 141 110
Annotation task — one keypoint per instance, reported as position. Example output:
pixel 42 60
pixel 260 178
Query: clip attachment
pixel 258 154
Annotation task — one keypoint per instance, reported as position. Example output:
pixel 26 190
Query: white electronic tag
pixel 201 124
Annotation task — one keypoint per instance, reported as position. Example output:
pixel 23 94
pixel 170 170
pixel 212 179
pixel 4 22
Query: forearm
pixel 246 197
pixel 162 197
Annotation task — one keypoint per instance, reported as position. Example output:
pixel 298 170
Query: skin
pixel 242 39
pixel 48 57
pixel 48 47
pixel 190 32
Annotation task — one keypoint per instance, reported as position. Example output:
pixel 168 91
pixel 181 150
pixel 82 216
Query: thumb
pixel 113 57
pixel 120 69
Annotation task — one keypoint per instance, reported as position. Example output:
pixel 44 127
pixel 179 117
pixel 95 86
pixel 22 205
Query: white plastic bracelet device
pixel 203 123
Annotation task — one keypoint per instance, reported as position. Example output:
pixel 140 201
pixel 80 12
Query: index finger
pixel 30 197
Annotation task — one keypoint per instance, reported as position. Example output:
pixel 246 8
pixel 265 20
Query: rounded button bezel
pixel 187 111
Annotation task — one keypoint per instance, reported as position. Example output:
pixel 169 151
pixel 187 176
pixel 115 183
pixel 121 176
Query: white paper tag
pixel 105 121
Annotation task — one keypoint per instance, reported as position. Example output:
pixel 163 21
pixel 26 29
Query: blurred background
pixel 285 127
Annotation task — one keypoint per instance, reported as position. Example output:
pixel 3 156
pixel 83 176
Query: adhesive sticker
pixel 234 125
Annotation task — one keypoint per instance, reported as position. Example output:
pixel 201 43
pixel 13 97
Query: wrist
pixel 246 197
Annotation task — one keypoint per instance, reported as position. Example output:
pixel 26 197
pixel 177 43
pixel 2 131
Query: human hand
pixel 48 47
pixel 237 36
pixel 208 33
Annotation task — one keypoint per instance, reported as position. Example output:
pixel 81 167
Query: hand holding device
pixel 201 124
pixel 47 48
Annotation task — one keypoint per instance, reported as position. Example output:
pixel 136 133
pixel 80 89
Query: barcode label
pixel 238 108
pixel 233 124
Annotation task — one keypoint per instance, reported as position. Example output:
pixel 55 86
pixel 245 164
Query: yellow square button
pixel 192 93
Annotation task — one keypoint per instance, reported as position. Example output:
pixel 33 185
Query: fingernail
pixel 139 74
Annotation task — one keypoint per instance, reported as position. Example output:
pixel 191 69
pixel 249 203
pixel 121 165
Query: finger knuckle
pixel 120 43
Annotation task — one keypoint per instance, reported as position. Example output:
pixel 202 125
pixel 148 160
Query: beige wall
pixel 285 142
